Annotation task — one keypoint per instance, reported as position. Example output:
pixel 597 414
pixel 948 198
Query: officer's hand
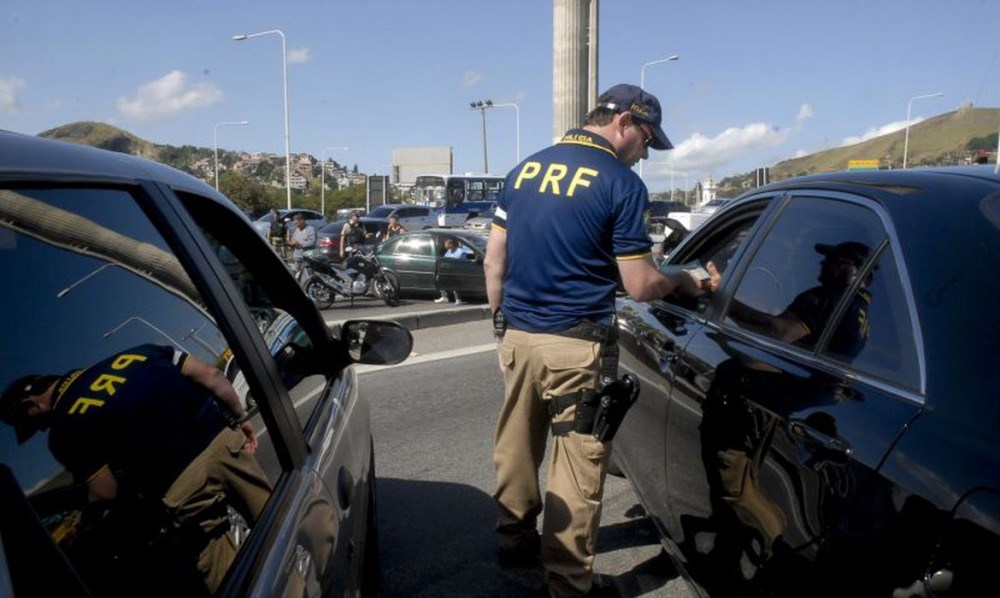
pixel 250 446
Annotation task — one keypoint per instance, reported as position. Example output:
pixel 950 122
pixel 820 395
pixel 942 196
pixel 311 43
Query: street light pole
pixel 642 84
pixel 284 72
pixel 322 178
pixel 217 125
pixel 481 106
pixel 147 323
pixel 517 117
pixel 909 105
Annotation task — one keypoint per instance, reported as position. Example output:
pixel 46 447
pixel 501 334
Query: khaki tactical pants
pixel 220 474
pixel 540 367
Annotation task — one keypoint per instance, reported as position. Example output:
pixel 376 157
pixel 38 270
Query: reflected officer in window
pixel 158 423
pixel 803 320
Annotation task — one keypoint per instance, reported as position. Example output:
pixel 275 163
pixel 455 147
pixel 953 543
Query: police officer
pixel 568 226
pixel 160 423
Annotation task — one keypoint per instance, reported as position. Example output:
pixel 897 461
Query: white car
pixel 412 217
pixel 713 205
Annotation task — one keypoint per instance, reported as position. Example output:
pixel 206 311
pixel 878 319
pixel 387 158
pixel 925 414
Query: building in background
pixel 410 162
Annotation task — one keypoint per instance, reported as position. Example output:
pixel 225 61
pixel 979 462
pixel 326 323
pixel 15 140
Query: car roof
pixel 25 157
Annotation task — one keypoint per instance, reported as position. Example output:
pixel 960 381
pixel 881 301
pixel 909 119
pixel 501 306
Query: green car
pixel 417 258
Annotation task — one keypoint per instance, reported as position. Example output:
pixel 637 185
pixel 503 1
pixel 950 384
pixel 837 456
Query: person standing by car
pixel 303 238
pixel 394 229
pixel 568 225
pixel 352 234
pixel 154 422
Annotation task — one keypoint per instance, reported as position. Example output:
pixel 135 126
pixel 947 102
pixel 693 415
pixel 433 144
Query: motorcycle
pixel 359 275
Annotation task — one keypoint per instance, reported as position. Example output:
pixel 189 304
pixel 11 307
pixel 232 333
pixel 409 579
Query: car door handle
pixel 804 430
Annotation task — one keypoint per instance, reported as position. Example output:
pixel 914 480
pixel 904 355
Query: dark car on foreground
pixel 100 252
pixel 825 422
pixel 417 259
pixel 328 237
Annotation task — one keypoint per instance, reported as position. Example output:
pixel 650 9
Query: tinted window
pixel 795 282
pixel 107 283
pixel 878 317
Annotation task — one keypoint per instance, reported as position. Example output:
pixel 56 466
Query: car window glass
pixel 874 334
pixel 714 252
pixel 289 346
pixel 798 276
pixel 416 245
pixel 109 286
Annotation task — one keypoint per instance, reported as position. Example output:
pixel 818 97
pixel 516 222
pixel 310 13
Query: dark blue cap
pixel 642 105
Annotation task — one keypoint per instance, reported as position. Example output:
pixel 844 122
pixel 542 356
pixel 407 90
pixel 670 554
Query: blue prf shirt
pixel 137 413
pixel 570 212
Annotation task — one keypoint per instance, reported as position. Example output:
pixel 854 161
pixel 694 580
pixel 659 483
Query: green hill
pixel 948 138
pixel 103 136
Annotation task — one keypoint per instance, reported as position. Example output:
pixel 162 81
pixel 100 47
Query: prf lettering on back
pixel 554 175
pixel 106 383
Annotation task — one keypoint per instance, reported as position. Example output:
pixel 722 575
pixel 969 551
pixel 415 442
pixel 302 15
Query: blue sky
pixel 756 82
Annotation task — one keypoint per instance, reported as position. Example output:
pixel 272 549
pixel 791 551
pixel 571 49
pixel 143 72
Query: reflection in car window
pixel 287 343
pixel 416 245
pixel 879 314
pixel 795 282
pixel 110 286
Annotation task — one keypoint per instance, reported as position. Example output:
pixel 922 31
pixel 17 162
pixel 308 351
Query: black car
pixel 328 237
pixel 101 252
pixel 418 259
pixel 825 422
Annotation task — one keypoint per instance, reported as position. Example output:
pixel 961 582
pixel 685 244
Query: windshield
pixel 381 212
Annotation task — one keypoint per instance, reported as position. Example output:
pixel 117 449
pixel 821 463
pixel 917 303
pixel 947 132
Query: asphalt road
pixel 433 421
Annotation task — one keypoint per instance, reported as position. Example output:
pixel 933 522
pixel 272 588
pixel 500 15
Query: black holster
pixel 616 398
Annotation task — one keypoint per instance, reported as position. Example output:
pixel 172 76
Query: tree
pixel 248 193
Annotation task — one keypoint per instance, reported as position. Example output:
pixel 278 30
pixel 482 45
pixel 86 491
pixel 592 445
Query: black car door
pixel 788 399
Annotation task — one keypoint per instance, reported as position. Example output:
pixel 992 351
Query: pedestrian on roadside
pixel 302 239
pixel 352 233
pixel 568 226
pixel 394 229
pixel 453 251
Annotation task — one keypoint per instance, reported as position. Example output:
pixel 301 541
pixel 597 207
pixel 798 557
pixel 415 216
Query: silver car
pixel 101 252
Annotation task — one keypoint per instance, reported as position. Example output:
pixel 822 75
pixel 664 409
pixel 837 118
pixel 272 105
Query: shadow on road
pixel 436 539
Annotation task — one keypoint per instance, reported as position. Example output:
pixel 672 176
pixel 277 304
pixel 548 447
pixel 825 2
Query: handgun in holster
pixel 615 399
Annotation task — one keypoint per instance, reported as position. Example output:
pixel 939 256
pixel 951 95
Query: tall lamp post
pixel 217 125
pixel 142 320
pixel 909 106
pixel 284 72
pixel 322 178
pixel 517 124
pixel 482 106
pixel 642 84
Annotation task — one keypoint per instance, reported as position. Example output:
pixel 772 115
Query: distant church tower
pixel 708 191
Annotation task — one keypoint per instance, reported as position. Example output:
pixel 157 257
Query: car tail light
pixel 328 242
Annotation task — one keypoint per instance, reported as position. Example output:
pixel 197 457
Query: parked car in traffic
pixel 328 237
pixel 412 217
pixel 824 422
pixel 313 219
pixel 417 259
pixel 102 252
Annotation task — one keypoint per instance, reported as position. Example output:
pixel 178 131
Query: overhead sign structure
pixel 863 165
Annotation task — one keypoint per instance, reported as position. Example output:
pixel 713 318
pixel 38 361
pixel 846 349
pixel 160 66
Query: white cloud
pixel 167 97
pixel 873 132
pixel 8 94
pixel 805 113
pixel 471 79
pixel 699 153
pixel 298 55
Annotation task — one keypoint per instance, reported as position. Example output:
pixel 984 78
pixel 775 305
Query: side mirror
pixel 376 342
